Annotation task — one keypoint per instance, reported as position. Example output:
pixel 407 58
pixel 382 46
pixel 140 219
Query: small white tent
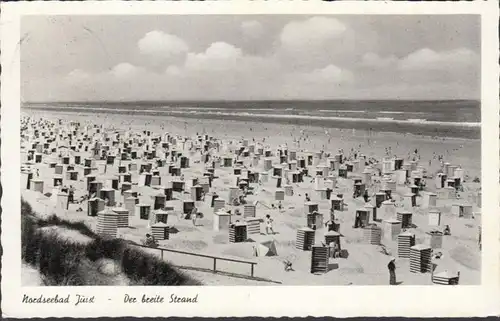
pixel 266 248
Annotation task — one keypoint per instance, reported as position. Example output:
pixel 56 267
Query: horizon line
pixel 242 100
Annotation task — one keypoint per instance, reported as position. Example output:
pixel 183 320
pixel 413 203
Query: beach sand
pixel 365 265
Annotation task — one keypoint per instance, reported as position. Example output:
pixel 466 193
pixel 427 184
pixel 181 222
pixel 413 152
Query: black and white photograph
pixel 269 150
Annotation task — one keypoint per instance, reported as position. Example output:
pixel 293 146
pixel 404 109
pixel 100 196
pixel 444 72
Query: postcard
pixel 250 159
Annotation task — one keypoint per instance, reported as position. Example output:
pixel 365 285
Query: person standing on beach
pixel 331 223
pixel 357 221
pixel 366 196
pixel 71 194
pixel 269 224
pixel 479 242
pixel 392 271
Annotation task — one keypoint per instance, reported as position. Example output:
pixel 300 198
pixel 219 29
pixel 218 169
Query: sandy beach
pixel 366 264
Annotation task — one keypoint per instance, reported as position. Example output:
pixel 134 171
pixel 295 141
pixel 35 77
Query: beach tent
pixel 266 248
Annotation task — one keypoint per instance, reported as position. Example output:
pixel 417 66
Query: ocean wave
pixel 393 112
pixel 205 113
pixel 225 108
pixel 369 111
pixel 417 120
pixel 341 111
pixel 195 108
pixel 388 120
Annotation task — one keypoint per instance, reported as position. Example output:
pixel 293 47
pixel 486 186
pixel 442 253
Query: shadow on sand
pixel 333 266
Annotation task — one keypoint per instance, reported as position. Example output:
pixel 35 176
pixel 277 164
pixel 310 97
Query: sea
pixel 436 118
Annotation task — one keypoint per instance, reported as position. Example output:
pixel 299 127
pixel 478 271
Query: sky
pixel 245 57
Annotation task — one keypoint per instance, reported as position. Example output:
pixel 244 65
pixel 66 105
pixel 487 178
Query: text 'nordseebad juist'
pixel 82 299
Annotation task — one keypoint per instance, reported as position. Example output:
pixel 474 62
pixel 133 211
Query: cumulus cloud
pixel 252 28
pixel 219 55
pixel 330 74
pixel 159 43
pixel 224 71
pixel 325 83
pixel 316 57
pixel 222 50
pixel 124 70
pixel 315 31
pixel 318 41
pixel 428 59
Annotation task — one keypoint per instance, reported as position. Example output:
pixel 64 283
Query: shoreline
pixel 421 129
pixel 301 137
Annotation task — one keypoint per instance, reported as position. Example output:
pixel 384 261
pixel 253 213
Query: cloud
pixel 314 58
pixel 373 60
pixel 218 56
pixel 252 28
pixel 77 75
pixel 312 32
pixel 428 59
pixel 424 60
pixel 222 50
pixel 247 57
pixel 161 44
pixel 125 70
pixel 330 74
pixel 316 42
pixel 173 71
pixel 328 82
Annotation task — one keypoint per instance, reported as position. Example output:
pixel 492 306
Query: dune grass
pixel 62 262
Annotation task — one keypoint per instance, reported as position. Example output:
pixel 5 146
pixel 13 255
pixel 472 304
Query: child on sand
pixel 288 266
pixel 194 214
pixel 150 241
pixel 269 224
pixel 255 252
pixel 334 249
